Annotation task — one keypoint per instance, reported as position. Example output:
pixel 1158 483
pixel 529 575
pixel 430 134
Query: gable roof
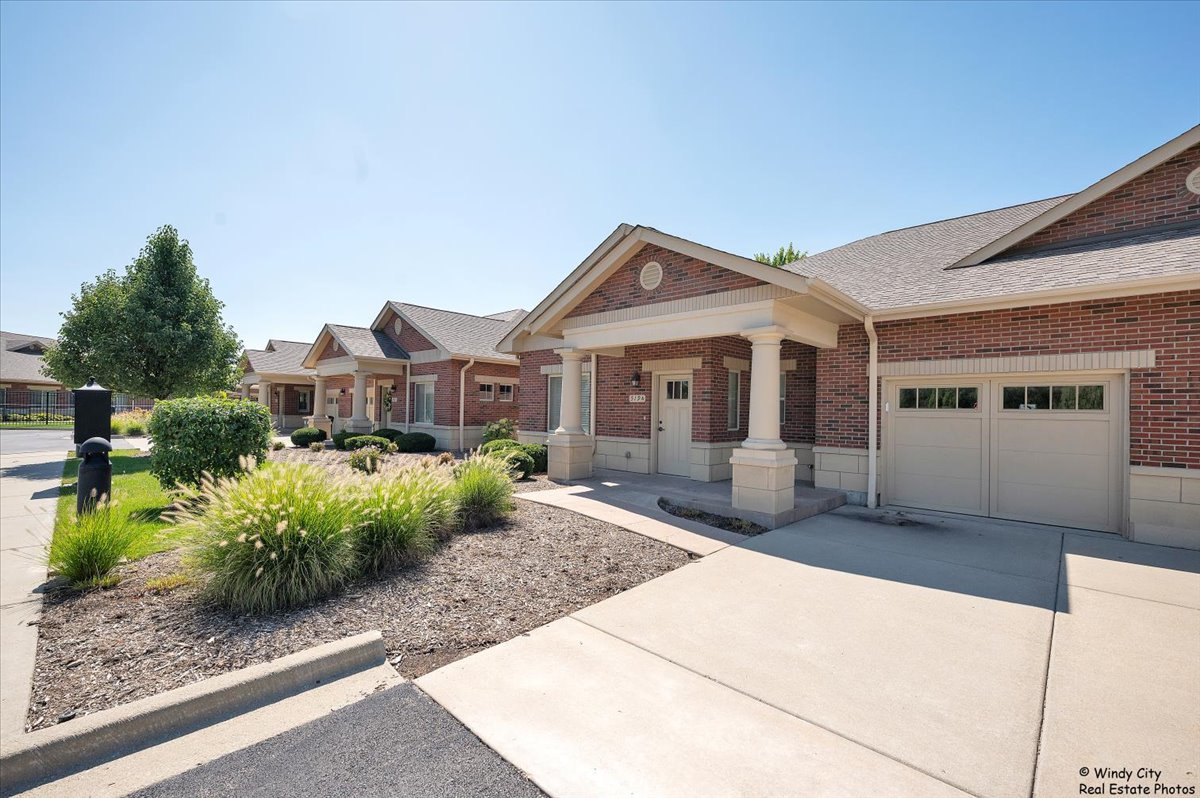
pixel 21 358
pixel 280 357
pixel 365 342
pixel 1158 155
pixel 458 334
pixel 507 315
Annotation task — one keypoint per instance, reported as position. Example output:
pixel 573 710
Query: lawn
pixel 138 497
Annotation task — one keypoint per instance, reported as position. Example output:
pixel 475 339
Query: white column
pixel 358 421
pixel 569 454
pixel 320 396
pixel 245 390
pixel 764 391
pixel 264 394
pixel 569 415
pixel 764 469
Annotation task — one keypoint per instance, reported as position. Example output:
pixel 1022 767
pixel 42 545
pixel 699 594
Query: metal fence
pixel 32 408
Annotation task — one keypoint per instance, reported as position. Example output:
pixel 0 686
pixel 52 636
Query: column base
pixel 764 483
pixel 568 456
pixel 360 425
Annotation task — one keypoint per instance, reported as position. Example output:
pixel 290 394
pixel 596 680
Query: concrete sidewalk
pixel 859 652
pixel 29 486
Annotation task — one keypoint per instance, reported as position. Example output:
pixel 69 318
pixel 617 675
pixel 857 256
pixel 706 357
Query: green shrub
pixel 539 453
pixel 277 538
pixel 360 441
pixel 91 545
pixel 402 516
pixel 519 462
pixel 316 446
pixel 390 434
pixel 340 438
pixel 366 459
pixel 416 442
pixel 206 434
pixel 482 490
pixel 277 446
pixel 391 448
pixel 306 436
pixel 498 445
pixel 499 430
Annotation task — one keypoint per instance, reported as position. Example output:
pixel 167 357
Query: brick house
pixel 1039 362
pixel 276 377
pixel 416 368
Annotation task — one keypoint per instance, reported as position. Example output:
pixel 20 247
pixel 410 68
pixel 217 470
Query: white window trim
pixel 417 406
pixel 512 392
pixel 736 409
pixel 488 395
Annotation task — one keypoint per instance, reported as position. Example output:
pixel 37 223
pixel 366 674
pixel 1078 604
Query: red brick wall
pixel 476 410
pixel 331 350
pixel 618 417
pixel 1156 198
pixel 682 277
pixel 1164 402
pixel 408 338
pixel 291 398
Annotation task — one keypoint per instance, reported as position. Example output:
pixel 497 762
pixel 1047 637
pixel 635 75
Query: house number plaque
pixel 635 398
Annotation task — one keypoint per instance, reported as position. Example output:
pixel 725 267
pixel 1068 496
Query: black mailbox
pixel 93 412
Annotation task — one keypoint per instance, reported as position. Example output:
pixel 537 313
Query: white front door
pixel 674 424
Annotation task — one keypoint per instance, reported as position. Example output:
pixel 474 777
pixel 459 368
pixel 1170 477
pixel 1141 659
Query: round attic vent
pixel 651 276
pixel 399 325
pixel 1193 181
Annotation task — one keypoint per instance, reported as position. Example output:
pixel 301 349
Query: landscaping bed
pixel 101 648
pixel 712 519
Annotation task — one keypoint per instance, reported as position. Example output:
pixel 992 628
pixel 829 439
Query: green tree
pixel 154 331
pixel 784 256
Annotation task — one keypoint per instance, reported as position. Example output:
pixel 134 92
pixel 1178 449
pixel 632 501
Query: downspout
pixel 872 412
pixel 407 394
pixel 592 401
pixel 462 403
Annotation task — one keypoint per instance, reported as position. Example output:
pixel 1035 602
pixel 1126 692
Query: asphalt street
pixel 13 441
pixel 396 742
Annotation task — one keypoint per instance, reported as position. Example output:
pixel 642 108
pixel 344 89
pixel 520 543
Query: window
pixel 939 398
pixel 782 399
pixel 487 392
pixel 303 402
pixel 1053 397
pixel 423 403
pixel 506 392
pixel 733 400
pixel 677 389
pixel 554 402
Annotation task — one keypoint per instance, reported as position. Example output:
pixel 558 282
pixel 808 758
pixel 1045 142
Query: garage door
pixel 1031 448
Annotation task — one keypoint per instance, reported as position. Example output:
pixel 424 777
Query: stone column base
pixel 764 483
pixel 568 456
pixel 319 422
pixel 359 425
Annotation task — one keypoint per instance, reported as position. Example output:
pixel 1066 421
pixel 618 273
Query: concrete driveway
pixel 860 653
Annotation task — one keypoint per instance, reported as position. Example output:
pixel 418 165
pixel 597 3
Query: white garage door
pixel 1031 448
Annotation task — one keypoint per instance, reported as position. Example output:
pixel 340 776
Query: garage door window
pixel 1053 397
pixel 939 398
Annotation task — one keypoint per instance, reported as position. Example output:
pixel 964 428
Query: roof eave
pixel 1158 155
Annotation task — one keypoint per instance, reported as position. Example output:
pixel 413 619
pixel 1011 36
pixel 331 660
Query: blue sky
pixel 322 158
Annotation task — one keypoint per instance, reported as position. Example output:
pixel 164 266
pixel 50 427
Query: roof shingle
pixel 462 333
pixel 22 366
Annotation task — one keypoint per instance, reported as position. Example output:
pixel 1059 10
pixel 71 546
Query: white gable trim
pixel 381 317
pixel 1090 194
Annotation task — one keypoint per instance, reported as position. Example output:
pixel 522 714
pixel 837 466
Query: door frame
pixel 1120 379
pixel 656 392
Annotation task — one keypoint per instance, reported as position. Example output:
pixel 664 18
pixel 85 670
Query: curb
pixel 47 754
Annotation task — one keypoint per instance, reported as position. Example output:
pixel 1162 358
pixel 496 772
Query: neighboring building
pixel 1039 362
pixel 419 369
pixel 277 374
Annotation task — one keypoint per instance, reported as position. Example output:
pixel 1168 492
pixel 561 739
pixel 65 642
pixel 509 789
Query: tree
pixel 155 331
pixel 781 258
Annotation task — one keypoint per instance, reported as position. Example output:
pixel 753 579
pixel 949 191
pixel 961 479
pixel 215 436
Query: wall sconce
pixel 341 391
pixel 636 380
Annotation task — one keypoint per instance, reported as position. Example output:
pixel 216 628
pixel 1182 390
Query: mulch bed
pixel 712 519
pixel 108 647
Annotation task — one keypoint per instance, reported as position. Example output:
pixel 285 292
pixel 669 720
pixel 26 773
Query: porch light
pixel 636 379
pixel 341 391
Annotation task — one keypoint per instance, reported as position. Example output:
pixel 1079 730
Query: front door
pixel 674 424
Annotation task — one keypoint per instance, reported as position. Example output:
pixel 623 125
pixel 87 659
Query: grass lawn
pixel 138 497
pixel 37 425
